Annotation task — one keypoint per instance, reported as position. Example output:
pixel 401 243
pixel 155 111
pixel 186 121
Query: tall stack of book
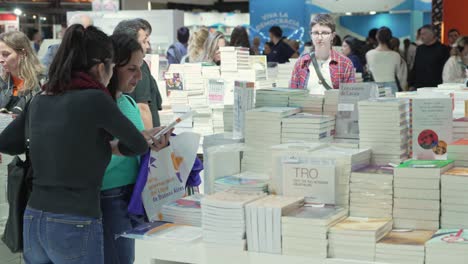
pixel 286 153
pixel 458 151
pixel 309 103
pixel 454 198
pixel 304 127
pixel 240 185
pixel 243 102
pixel 406 247
pixel 448 246
pixel 387 137
pixel 356 238
pixel 185 211
pixel 416 202
pixel 460 128
pixel 276 97
pixel 223 218
pixel 305 230
pixel 263 130
pixel 346 160
pixel 330 102
pixel 371 192
pixel 263 219
pixel 283 78
pixel 234 59
pixel 228 118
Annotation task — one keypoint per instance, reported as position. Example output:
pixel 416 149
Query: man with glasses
pixel 331 68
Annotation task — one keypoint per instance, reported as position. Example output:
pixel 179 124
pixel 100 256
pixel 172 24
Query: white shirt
pixel 454 72
pixel 384 65
pixel 314 85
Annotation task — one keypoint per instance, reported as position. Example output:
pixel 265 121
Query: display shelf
pixel 160 251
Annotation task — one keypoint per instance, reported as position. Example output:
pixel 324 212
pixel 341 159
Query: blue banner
pixel 289 15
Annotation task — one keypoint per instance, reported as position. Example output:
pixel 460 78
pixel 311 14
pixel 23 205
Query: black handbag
pixel 19 188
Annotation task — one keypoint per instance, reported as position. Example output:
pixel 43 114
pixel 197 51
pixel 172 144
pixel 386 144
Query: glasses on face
pixel 317 34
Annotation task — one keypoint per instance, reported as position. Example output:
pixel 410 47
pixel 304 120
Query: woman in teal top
pixel 122 171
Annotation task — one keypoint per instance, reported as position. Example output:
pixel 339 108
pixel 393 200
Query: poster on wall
pixel 289 15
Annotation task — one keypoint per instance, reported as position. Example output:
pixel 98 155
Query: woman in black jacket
pixel 72 126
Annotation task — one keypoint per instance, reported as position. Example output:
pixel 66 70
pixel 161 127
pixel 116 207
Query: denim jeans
pixel 61 239
pixel 116 220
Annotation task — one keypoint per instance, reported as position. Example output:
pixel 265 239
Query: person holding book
pixel 325 68
pixel 21 72
pixel 72 124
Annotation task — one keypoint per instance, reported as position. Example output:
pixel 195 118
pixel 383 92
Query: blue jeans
pixel 61 239
pixel 116 220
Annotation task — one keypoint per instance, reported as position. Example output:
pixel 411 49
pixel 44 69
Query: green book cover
pixel 451 236
pixel 430 164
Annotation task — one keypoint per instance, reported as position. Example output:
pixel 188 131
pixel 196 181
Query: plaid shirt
pixel 341 71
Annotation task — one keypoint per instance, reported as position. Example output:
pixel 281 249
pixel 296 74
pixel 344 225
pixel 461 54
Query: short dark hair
pixel 276 31
pixel 429 27
pixel 453 30
pixel 80 50
pixel 372 33
pixel 183 35
pixel 124 47
pixel 146 25
pixel 384 35
pixel 270 44
pixel 130 27
pixel 240 37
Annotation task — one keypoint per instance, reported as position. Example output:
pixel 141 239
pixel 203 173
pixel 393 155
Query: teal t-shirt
pixel 122 170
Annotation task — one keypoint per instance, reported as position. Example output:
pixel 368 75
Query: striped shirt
pixel 341 71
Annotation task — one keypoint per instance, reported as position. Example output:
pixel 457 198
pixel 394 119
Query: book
pixel 185 211
pixel 403 247
pixel 243 101
pixel 447 246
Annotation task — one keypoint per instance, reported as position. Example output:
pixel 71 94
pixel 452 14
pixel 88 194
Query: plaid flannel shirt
pixel 341 71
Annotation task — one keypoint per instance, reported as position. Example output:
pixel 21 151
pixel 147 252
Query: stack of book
pixel 203 123
pixel 330 102
pixel 211 72
pixel 283 78
pixel 185 211
pixel 276 97
pixel 243 101
pixel 263 219
pixel 309 103
pixel 387 137
pixel 416 202
pixel 455 198
pixel 263 130
pixel 178 99
pixel 228 118
pixel 241 185
pixel 405 247
pixel 346 160
pixel 217 119
pixel 460 128
pixel 448 246
pixel 356 238
pixel 234 59
pixel 286 153
pixel 305 127
pixel 458 152
pixel 305 230
pixel 178 111
pixel 223 218
pixel 371 192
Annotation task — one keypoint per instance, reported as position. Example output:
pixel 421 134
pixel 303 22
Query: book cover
pixel 361 224
pixel 147 229
pixel 458 171
pixel 431 164
pixel 449 236
pixel 432 127
pixel 174 81
pixel 347 117
pixel 411 238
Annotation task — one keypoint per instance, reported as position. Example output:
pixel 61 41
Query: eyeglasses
pixel 317 34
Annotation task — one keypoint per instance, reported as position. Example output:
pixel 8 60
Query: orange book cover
pixel 460 142
pixel 458 171
pixel 413 238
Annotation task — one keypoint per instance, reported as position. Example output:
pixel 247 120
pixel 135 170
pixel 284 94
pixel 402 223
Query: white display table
pixel 169 252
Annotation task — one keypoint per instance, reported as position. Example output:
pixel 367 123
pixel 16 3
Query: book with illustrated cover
pixel 408 238
pixel 319 215
pixel 146 230
pixel 447 237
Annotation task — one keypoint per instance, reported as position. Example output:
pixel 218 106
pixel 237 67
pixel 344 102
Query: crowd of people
pixel 92 108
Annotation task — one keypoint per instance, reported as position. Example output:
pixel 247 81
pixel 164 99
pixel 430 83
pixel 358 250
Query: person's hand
pixel 154 143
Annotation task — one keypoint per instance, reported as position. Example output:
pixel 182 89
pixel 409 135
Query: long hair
pixel 357 48
pixel 384 35
pixel 211 46
pixel 124 47
pixel 240 37
pixel 80 50
pixel 196 43
pixel 29 66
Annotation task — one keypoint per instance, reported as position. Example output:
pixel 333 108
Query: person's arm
pixel 146 115
pixel 348 76
pixel 12 139
pixel 295 82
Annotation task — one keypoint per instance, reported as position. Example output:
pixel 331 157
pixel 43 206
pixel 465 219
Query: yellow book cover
pixel 458 171
pixel 361 224
pixel 412 238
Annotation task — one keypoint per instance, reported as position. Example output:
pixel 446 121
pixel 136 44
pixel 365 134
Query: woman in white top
pixel 383 62
pixel 455 69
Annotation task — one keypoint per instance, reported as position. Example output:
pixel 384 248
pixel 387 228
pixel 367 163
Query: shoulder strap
pixel 27 124
pixel 130 99
pixel 319 72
